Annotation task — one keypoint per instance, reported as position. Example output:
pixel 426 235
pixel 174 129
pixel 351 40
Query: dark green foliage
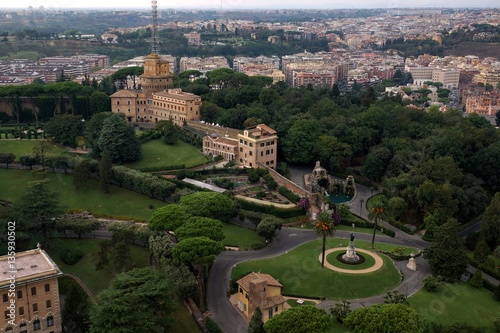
pixel 270 182
pixel 394 297
pixel 209 204
pixel 82 172
pixel 341 310
pixel 224 183
pixel 170 133
pixel 197 226
pixel 119 138
pixel 477 279
pixel 302 319
pixel 288 194
pixel 446 255
pixel 75 314
pixel 93 129
pixel 105 171
pixel 150 293
pixel 36 211
pixel 268 226
pixel 481 251
pixel 212 326
pixel 182 279
pixel 145 183
pixel 71 256
pixel 253 175
pixel 384 318
pixel 256 325
pixel 64 129
pixel 490 228
pixel 7 158
pixel 432 283
pixel 28 160
pixel 169 218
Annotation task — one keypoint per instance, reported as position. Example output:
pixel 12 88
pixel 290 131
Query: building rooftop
pixel 244 282
pixel 28 265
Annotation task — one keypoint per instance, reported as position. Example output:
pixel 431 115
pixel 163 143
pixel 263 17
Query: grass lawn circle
pixel 300 273
pixel 363 268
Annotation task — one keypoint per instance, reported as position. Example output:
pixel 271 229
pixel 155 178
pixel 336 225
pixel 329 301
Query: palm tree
pixel 375 214
pixel 324 227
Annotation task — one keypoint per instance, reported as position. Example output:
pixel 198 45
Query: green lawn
pixel 22 147
pixel 96 281
pixel 458 302
pixel 156 154
pixel 119 202
pixel 240 237
pixel 301 275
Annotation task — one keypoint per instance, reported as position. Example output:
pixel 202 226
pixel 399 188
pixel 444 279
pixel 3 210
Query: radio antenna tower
pixel 154 41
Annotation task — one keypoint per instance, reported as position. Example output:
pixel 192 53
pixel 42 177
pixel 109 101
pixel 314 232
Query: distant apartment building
pixel 203 65
pixel 488 76
pixel 319 69
pixel 156 100
pixel 241 63
pixel 193 38
pixel 420 74
pixel 450 78
pixel 487 104
pixel 30 284
pixel 93 60
pixel 248 148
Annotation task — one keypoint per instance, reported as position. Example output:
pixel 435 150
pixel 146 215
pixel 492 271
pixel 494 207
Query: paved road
pixel 228 318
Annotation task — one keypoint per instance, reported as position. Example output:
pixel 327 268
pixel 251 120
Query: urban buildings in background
pixel 36 293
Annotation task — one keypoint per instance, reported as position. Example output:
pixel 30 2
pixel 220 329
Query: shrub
pixel 341 310
pixel 432 283
pixel 288 194
pixel 71 256
pixel 257 245
pixel 260 195
pixel 212 326
pixel 477 279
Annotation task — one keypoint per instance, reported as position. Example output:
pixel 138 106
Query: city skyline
pixel 240 4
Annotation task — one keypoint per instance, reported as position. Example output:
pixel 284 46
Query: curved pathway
pixel 376 266
pixel 227 316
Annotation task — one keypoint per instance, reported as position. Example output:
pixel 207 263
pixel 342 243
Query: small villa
pixel 262 290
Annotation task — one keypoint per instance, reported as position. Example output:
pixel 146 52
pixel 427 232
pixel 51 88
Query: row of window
pixel 36 326
pixel 5 297
pixel 262 144
pixel 48 305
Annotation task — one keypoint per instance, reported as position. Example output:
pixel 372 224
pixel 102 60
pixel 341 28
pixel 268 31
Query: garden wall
pixel 314 198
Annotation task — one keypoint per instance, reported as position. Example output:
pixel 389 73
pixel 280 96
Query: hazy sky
pixel 245 4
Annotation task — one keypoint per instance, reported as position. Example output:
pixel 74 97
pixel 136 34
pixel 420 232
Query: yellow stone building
pixel 262 290
pixel 156 100
pixel 248 148
pixel 30 293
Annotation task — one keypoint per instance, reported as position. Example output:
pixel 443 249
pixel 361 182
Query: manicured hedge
pixel 283 213
pixel 288 194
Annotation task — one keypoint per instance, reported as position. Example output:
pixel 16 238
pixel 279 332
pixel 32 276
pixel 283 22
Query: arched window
pixel 50 321
pixel 36 325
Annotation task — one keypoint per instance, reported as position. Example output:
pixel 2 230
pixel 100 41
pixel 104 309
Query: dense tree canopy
pixel 302 319
pixel 143 290
pixel 384 318
pixel 119 139
pixel 169 218
pixel 447 255
pixel 209 204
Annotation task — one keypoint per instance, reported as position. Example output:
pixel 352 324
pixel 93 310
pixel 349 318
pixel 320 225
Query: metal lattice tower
pixel 154 41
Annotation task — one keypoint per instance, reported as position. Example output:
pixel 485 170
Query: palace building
pixel 248 148
pixel 156 100
pixel 30 293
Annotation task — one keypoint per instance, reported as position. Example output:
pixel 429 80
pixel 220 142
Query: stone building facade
pixel 30 284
